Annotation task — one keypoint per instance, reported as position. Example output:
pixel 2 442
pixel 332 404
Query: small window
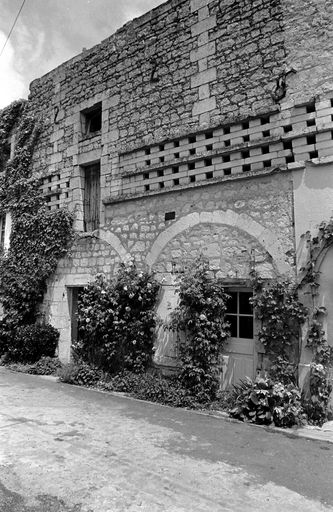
pixel 92 119
pixel 240 314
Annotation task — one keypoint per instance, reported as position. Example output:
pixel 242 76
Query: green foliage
pixel 316 406
pixel 282 370
pixel 117 321
pixel 80 373
pixel 28 343
pixel 281 314
pixel 39 237
pixel 200 318
pixel 45 366
pixel 265 402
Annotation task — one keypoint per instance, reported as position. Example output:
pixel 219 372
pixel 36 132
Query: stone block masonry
pixel 197 144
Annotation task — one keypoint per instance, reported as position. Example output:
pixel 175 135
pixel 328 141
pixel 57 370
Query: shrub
pixel 117 321
pixel 45 366
pixel 265 402
pixel 28 343
pixel 283 371
pixel 80 373
pixel 200 317
pixel 316 405
pixel 155 388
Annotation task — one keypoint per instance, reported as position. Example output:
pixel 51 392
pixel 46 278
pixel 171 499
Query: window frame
pixel 239 315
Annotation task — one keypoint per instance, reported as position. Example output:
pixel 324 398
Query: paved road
pixel 65 449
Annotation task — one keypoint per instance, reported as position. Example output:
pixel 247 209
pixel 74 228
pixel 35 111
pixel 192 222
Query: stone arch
pixel 112 240
pixel 230 218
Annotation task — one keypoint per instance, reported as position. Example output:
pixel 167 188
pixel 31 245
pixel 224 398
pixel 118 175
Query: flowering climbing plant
pixel 117 320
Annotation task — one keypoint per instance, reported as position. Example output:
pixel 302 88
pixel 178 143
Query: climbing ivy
pixel 39 237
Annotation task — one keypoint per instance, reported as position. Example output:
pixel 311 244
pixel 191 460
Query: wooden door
pixel 91 197
pixel 240 349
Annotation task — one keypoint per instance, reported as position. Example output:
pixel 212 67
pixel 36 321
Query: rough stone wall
pixel 234 217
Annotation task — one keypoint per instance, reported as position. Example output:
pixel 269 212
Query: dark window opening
pixel 209 135
pixel 313 154
pixel 192 179
pixel 176 181
pixel 175 170
pixel 288 128
pixel 191 166
pixel 147 151
pixel 245 125
pixel 192 139
pixel 245 154
pixel 246 138
pixel 147 162
pixel 92 119
pixel 147 188
pixel 227 172
pixel 226 158
pixel 146 176
pixel 209 175
pixel 267 163
pixel 192 151
pixel 208 162
pixel 240 314
pixel 311 139
pixel 264 120
pixel 170 216
pixel 91 205
pixel 176 144
pixel 246 168
pixel 161 184
pixel 161 159
pixel 290 159
pixel 310 108
pixel 176 155
pixel 226 130
pixel 264 150
pixel 266 133
pixel 287 145
pixel 161 147
pixel 311 122
pixel 160 173
pixel 209 147
pixel 227 143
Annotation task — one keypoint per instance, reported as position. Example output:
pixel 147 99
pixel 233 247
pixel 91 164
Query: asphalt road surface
pixel 67 449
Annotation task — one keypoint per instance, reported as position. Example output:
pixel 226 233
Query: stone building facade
pixel 202 127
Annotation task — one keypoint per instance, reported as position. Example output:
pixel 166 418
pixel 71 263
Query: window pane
pixel 245 308
pixel 246 327
pixel 232 320
pixel 232 302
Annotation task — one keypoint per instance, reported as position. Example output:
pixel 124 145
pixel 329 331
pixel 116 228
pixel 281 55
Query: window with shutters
pixel 91 197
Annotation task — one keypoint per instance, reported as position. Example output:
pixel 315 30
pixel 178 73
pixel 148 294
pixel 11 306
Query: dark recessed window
pixel 240 314
pixel 290 159
pixel 92 119
pixel 170 216
pixel 225 158
pixel 245 154
pixel 264 150
pixel 147 187
pixel 264 120
pixel 266 133
pixel 175 169
pixel 310 108
pixel 288 128
pixel 147 162
pixel 208 162
pixel 209 175
pixel 209 147
pixel 161 184
pixel 246 138
pixel 176 155
pixel 161 159
pixel 146 175
pixel 311 122
pixel 332 102
pixel 226 130
pixel 227 172
pixel 161 147
pixel 246 168
pixel 227 143
pixel 176 144
pixel 191 166
pixel 192 179
pixel 176 181
pixel 209 135
pixel 313 154
pixel 311 139
pixel 267 163
pixel 160 173
pixel 245 125
pixel 287 145
pixel 192 151
pixel 192 139
pixel 147 151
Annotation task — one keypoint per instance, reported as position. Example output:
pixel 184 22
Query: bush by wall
pixel 117 321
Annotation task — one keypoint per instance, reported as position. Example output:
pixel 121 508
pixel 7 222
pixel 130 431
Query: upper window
pixel 240 314
pixel 91 119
